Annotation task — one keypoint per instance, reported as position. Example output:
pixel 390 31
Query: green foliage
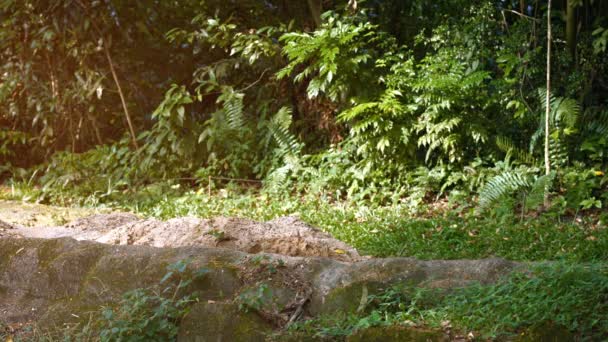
pixel 88 177
pixel 565 295
pixel 572 296
pixel 336 57
pixel 371 105
pixel 279 128
pixel 10 142
pixel 594 136
pixel 514 181
pixel 391 230
pixel 507 146
pixel 585 189
pixel 254 302
pixel 601 40
pixel 56 84
pixel 148 315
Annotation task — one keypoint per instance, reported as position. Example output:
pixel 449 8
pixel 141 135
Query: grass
pixel 555 297
pixel 383 231
pixel 571 291
pixel 392 231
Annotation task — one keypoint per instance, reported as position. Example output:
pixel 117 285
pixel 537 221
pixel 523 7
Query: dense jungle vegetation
pixel 433 129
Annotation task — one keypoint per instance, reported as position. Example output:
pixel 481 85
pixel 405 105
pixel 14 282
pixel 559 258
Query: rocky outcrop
pixel 285 235
pixel 55 282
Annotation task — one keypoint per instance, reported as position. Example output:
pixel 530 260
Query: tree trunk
pixel 121 94
pixel 571 27
pixel 548 101
pixel 316 7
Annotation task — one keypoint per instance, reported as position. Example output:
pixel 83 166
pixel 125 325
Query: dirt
pixel 286 235
pixel 37 215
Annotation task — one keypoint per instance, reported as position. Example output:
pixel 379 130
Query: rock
pixel 58 282
pixel 6 229
pixel 39 215
pixel 286 236
pixel 546 332
pixel 397 334
pixel 219 322
pixel 102 222
pixel 341 288
pixel 5 226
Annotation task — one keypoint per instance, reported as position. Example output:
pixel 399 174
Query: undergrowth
pixel 572 297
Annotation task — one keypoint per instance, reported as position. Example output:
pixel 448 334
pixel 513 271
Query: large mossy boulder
pixel 54 282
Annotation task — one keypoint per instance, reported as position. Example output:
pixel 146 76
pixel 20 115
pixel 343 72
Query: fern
pixel 506 145
pixel 502 185
pixel 331 58
pixel 277 180
pixel 564 116
pixel 536 195
pixel 558 152
pixel 279 127
pixel 232 105
pixel 595 122
pixel 381 123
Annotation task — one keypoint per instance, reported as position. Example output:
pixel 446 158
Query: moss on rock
pixel 546 332
pixel 216 321
pixel 397 334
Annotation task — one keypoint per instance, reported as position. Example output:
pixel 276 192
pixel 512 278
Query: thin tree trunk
pixel 315 7
pixel 114 76
pixel 120 93
pixel 571 28
pixel 548 100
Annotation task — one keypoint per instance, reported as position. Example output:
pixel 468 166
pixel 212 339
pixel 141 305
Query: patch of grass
pixel 383 231
pixel 572 297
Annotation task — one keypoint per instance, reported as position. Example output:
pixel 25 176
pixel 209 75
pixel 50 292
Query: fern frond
pixel 502 185
pixel 595 122
pixel 279 127
pixel 564 116
pixel 506 145
pixel 542 185
pixel 565 112
pixel 558 152
pixel 233 107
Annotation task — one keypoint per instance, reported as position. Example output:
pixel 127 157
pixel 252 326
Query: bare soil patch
pixel 286 235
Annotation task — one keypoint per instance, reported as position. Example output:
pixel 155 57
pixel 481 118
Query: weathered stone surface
pixel 285 235
pixel 57 281
pixel 340 287
pixel 547 332
pixel 397 334
pixel 220 322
